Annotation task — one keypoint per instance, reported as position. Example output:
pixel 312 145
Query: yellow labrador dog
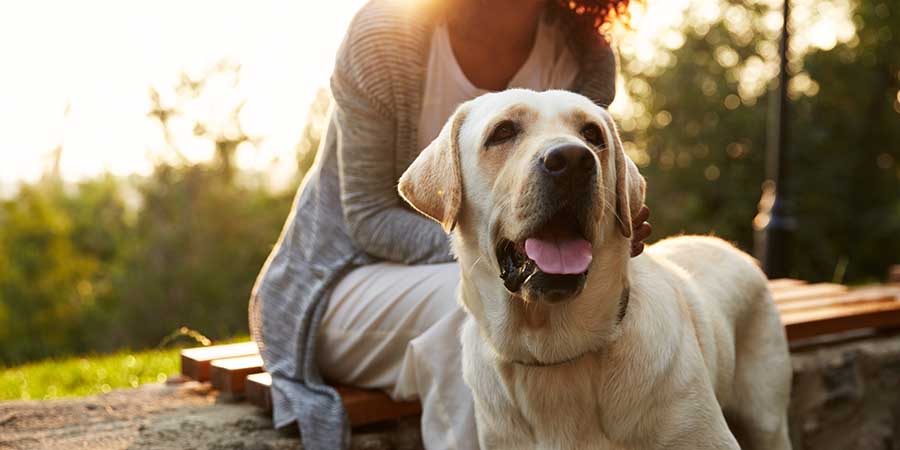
pixel 570 343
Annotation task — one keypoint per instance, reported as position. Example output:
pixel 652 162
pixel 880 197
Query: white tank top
pixel 550 65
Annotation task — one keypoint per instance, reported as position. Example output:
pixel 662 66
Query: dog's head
pixel 538 183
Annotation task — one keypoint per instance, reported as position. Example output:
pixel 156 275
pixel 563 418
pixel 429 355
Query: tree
pixel 202 233
pixel 698 129
pixel 56 249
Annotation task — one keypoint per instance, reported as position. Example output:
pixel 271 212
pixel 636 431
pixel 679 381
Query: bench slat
pixel 258 390
pixel 783 284
pixel 364 406
pixel 229 374
pixel 864 295
pixel 834 319
pixel 195 362
pixel 808 291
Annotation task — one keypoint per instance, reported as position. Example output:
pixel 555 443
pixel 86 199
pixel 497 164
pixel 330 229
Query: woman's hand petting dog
pixel 641 230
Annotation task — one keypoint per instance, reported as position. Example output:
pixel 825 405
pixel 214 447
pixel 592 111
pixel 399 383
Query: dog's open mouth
pixel 555 257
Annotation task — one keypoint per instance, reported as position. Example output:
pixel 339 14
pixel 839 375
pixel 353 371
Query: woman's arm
pixel 364 117
pixel 373 211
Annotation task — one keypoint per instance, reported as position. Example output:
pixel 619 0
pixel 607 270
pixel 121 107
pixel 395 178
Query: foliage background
pixel 111 263
pixel 700 136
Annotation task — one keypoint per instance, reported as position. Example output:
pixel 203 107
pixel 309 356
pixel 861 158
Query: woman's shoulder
pixel 383 22
pixel 385 44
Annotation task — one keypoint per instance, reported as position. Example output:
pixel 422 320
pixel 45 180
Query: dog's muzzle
pixel 550 261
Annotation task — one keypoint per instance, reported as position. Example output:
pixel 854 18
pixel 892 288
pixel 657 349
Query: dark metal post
pixel 773 225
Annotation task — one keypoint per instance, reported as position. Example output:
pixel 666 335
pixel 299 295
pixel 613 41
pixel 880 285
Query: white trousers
pixel 396 328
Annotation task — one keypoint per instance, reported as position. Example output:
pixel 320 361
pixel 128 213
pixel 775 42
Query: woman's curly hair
pixel 599 14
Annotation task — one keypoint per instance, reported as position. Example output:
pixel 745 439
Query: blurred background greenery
pixel 112 262
pixel 120 262
pixel 699 131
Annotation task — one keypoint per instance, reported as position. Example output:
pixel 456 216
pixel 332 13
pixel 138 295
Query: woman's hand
pixel 640 230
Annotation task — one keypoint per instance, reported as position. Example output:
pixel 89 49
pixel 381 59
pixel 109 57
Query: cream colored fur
pixel 699 360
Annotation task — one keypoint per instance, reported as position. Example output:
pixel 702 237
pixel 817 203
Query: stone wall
pixel 847 396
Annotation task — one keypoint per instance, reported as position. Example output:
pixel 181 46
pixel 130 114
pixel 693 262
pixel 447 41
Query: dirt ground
pixel 181 416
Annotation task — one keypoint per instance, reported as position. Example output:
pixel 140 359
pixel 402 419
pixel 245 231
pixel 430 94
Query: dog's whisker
pixel 607 206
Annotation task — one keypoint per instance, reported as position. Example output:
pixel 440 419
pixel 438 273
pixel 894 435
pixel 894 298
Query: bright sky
pixel 101 56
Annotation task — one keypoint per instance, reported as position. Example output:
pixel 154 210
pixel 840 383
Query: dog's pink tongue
pixel 559 256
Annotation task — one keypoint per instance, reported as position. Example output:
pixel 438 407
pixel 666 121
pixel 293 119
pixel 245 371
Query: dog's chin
pixel 553 288
pixel 521 275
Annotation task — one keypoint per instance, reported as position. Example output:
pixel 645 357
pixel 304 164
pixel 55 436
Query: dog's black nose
pixel 569 161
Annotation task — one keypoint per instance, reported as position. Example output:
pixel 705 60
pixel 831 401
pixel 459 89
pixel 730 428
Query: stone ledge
pixel 162 417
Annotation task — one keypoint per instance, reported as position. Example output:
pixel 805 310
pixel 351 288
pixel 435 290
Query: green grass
pixel 97 374
pixel 87 375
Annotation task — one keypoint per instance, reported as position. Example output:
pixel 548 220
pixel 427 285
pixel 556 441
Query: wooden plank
pixel 832 339
pixel 781 284
pixel 809 291
pixel 364 406
pixel 865 295
pixel 229 374
pixel 834 319
pixel 195 362
pixel 258 390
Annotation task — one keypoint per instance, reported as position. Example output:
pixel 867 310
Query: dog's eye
pixel 591 133
pixel 503 132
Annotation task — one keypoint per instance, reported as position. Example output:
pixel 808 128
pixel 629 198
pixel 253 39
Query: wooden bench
pixel 238 372
pixel 808 311
pixel 196 362
pixel 814 310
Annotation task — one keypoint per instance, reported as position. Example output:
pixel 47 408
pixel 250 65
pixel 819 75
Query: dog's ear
pixel 433 182
pixel 630 184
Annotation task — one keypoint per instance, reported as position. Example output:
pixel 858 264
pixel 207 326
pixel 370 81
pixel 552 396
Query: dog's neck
pixel 535 333
pixel 623 309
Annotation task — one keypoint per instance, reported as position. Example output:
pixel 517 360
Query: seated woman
pixel 360 289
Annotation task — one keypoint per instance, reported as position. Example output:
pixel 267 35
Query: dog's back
pixel 739 331
pixel 726 277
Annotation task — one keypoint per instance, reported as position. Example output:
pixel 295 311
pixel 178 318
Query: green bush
pixel 80 273
pixel 198 243
pixel 56 248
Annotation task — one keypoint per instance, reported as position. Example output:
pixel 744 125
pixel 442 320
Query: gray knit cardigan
pixel 347 212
